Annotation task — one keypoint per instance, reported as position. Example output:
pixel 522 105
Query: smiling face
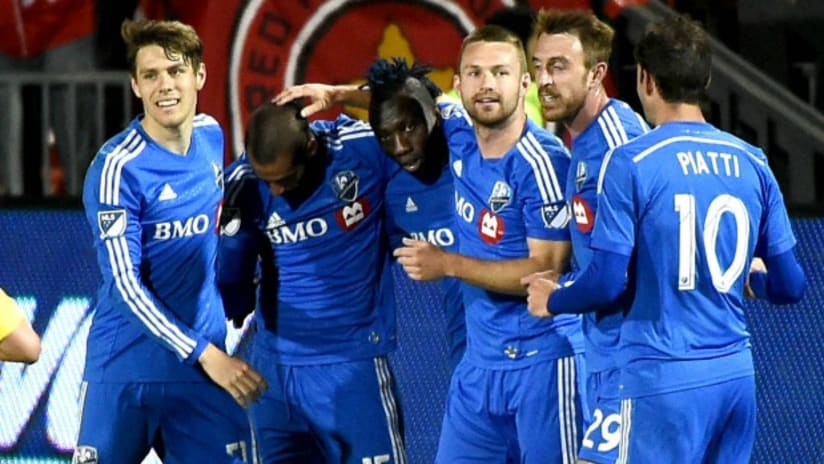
pixel 561 75
pixel 492 83
pixel 167 86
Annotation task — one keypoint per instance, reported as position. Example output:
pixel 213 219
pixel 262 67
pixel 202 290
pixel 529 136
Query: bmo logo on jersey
pixel 352 214
pixel 442 237
pixel 490 227
pixel 294 233
pixel 196 225
pixel 464 208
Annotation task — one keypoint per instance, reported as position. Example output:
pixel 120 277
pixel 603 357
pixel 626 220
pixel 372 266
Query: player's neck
pixel 678 112
pixel 496 141
pixel 175 139
pixel 594 103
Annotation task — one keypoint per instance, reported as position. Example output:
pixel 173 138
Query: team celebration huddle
pixel 594 290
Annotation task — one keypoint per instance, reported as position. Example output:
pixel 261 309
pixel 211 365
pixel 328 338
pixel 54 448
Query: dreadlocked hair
pixel 387 78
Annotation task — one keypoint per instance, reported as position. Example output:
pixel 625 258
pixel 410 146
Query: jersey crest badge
pixel 345 186
pixel 501 196
pixel 580 175
pixel 112 223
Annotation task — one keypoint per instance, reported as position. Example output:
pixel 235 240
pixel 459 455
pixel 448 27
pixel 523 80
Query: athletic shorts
pixel 342 413
pixel 529 415
pixel 715 423
pixel 184 422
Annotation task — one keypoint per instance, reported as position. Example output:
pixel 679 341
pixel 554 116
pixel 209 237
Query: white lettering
pixel 442 237
pixel 196 225
pixel 464 208
pixel 696 163
pixel 299 232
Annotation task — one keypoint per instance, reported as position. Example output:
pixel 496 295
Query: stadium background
pixel 47 263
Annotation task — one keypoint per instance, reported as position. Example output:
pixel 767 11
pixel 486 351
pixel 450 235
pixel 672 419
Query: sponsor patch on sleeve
pixel 556 215
pixel 112 223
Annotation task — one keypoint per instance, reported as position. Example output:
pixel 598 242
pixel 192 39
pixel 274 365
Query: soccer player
pixel 420 198
pixel 326 307
pixel 156 374
pixel 514 396
pixel 18 341
pixel 570 52
pixel 690 205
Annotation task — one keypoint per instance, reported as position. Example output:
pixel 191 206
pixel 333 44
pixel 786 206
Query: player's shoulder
pixel 341 130
pixel 122 148
pixel 239 170
pixel 620 121
pixel 537 141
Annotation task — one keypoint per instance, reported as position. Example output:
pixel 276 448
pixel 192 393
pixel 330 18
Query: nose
pixel 487 81
pixel 543 77
pixel 166 81
pixel 400 145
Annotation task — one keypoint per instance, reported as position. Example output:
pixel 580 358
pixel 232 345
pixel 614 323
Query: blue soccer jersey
pixel 615 125
pixel 334 296
pixel 691 204
pixel 499 204
pixel 153 215
pixel 425 212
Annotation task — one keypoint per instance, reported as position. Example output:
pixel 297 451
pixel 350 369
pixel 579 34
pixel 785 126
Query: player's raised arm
pixel 323 97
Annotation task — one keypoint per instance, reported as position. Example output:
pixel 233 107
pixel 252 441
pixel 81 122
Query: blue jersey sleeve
pixel 594 288
pixel 776 234
pixel 545 211
pixel 240 241
pixel 614 228
pixel 113 209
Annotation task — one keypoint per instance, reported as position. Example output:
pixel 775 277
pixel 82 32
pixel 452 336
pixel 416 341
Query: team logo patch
pixel 112 223
pixel 85 455
pixel 490 227
pixel 584 217
pixel 345 185
pixel 229 221
pixel 352 214
pixel 580 175
pixel 501 196
pixel 555 215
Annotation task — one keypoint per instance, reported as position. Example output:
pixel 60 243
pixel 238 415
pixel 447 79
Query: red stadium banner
pixel 254 48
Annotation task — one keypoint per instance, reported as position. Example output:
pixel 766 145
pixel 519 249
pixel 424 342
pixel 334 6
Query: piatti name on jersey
pixel 720 164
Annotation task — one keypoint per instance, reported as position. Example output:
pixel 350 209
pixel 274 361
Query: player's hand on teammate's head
pixel 321 97
pixel 234 375
pixel 539 287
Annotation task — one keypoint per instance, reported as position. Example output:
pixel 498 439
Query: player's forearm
pixel 597 286
pixel 502 276
pixel 784 281
pixel 352 95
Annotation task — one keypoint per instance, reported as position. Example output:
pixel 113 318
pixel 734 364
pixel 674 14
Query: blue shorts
pixel 184 422
pixel 602 418
pixel 715 423
pixel 529 415
pixel 342 413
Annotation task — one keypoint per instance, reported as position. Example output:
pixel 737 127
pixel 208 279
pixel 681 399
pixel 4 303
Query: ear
pixel 200 76
pixel 456 83
pixel 135 88
pixel 597 75
pixel 311 146
pixel 645 82
pixel 526 80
